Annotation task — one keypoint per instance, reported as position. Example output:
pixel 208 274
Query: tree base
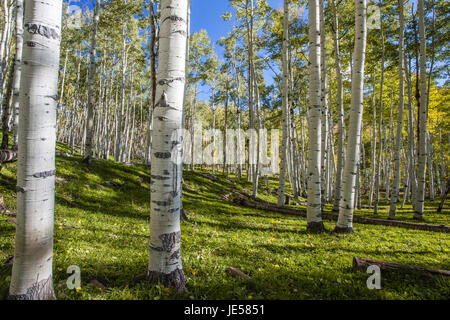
pixel 87 161
pixel 43 290
pixel 418 217
pixel 315 227
pixel 183 216
pixel 174 280
pixel 343 230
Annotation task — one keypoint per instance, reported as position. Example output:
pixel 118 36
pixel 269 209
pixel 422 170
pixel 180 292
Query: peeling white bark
pixel 314 207
pixel 33 254
pixel 345 220
pixel 166 154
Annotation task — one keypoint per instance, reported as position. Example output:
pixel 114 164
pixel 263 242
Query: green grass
pixel 102 226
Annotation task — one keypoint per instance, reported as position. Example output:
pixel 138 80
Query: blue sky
pixel 207 14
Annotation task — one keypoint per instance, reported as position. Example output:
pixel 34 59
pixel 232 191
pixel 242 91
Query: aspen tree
pixel 345 220
pixel 285 102
pixel 314 207
pixel 91 94
pixel 340 108
pixel 17 70
pixel 398 138
pixel 166 154
pixel 33 253
pixel 423 112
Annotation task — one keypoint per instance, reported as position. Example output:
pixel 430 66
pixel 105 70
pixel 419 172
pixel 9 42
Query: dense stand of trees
pixel 357 93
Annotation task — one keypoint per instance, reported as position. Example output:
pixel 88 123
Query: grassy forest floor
pixel 102 226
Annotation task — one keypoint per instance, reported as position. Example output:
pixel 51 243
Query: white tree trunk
pixel 17 70
pixel 33 253
pixel 345 220
pixel 340 108
pixel 165 260
pixel 314 208
pixel 324 100
pixel 398 138
pixel 285 102
pixel 423 117
pixel 91 94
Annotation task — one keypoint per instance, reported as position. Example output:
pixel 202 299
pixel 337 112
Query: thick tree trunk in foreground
pixel 166 155
pixel 345 222
pixel 33 253
pixel 314 208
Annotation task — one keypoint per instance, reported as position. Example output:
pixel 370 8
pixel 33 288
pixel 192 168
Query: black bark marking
pixel 163 155
pixel 162 203
pixel 167 81
pixel 160 177
pixel 173 18
pixel 170 240
pixel 45 174
pixel 20 189
pixel 176 254
pixel 42 30
pixel 54 97
pixel 182 32
pixel 42 290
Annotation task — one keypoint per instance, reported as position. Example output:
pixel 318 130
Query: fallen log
pixel 363 263
pixel 208 176
pixel 263 205
pixel 246 200
pixel 236 273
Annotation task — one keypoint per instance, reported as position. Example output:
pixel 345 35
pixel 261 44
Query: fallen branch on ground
pixel 363 263
pixel 235 273
pixel 243 199
pixel 263 205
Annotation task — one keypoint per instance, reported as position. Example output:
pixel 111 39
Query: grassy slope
pixel 104 229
